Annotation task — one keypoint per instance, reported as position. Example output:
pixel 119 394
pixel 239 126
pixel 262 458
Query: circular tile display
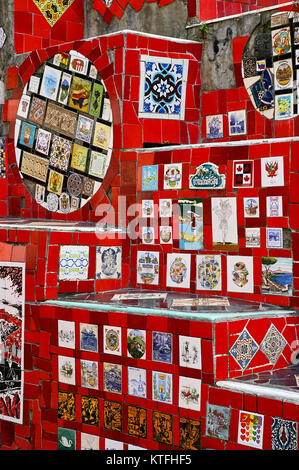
pixel 63 133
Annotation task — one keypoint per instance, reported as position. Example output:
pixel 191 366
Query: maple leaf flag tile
pixel 243 174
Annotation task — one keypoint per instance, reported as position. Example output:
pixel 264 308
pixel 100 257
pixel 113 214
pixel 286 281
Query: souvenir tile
pixel 55 182
pixel 24 106
pixel 112 340
pixel 65 88
pixel 89 374
pixel 162 347
pixel 73 262
pixel 262 92
pixel 89 442
pixel 107 111
pixel 249 67
pixel 189 393
pixel 50 83
pixel 224 223
pixel 101 136
pixel 250 429
pixel 84 128
pixel 178 270
pixel 3 153
pixel 52 202
pixel 64 203
pixel 274 237
pixel 283 74
pixel 147 208
pixel 136 343
pixel 39 193
pixel 34 83
pixel 93 72
pixel 274 206
pixel 80 94
pixel 237 122
pixel 37 110
pixel 112 377
pixel 240 274
pixel 52 10
pixel 2 37
pixel 61 60
pixel 190 434
pixel 208 272
pixel 66 370
pixel 98 164
pixel 88 337
pixel 137 382
pixel 165 234
pixel 61 120
pixel 244 349
pixel 272 171
pixel 214 126
pixel 147 267
pixel 90 410
pixel 149 178
pixel 165 207
pixel 60 154
pixel 261 65
pixel 142 295
pixel 66 334
pixel 279 19
pixel 137 421
pixel 162 387
pixel 43 141
pixel 34 166
pixel 218 421
pixel 190 352
pixel 162 427
pixel 209 301
pixel 74 184
pixel 273 344
pixel 190 224
pixel 111 444
pixel 243 174
pixel 277 275
pixel 96 100
pixel 284 434
pixel 281 41
pixel 162 87
pixel 112 415
pixel 75 201
pixel 78 63
pixel 66 439
pixel 148 235
pixel 284 106
pixel 79 157
pixel 251 207
pixel 108 262
pixel 173 176
pixel 88 187
pixel 27 134
pixel 66 406
pixel 207 176
pixel 252 237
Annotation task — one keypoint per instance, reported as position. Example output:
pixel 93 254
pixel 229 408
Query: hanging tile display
pixel 162 347
pixel 274 206
pixel 251 207
pixel 112 340
pixel 178 270
pixel 66 334
pixel 43 141
pixel 189 393
pixel 214 126
pixel 240 274
pixel 65 88
pixel 251 429
pixel 34 166
pixel 137 382
pixel 224 223
pixel 162 387
pixel 66 370
pixel 150 178
pixel 190 224
pixel 173 176
pixel 208 272
pixel 88 337
pixel 50 83
pixel 207 176
pixel 277 275
pixel 27 134
pixel 274 237
pixel 112 377
pixel 190 352
pixel 272 171
pixel 136 343
pixel 148 267
pixel 243 174
pixel 252 237
pixel 89 374
pixel 108 262
pixel 60 153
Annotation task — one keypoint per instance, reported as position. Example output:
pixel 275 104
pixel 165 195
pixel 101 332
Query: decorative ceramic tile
pixel 61 120
pixel 165 207
pixel 96 100
pixel 78 63
pixel 284 106
pixel 24 106
pixel 61 60
pixel 66 439
pixel 66 370
pixel 147 267
pixel 162 387
pixel 165 232
pixel 88 337
pixel 112 415
pixel 112 340
pixel 253 237
pixel 284 434
pixel 90 411
pixel 190 352
pixel 214 126
pixel 162 347
pixel 55 182
pixel 261 92
pixel 34 166
pixel 74 184
pixel 111 444
pixel 84 128
pixel 162 427
pixel 178 270
pixel 208 272
pixel 66 334
pixel 50 83
pixel 173 176
pixel 283 74
pixel 249 67
pixel 60 153
pixel 148 235
pixel 65 87
pixel 207 176
pixel 27 134
pixel 243 176
pixel 79 157
pixel 133 447
pixel 34 83
pixel 281 41
pixel 237 122
pixel 190 224
pixel 251 429
pixel 52 10
pixel 137 382
pixel 274 206
pixel 149 178
pixel 73 262
pixel 107 111
pixel 261 65
pixel 240 274
pixel 52 202
pixel 137 421
pixel 40 193
pixel 66 406
pixel 2 37
pixel 37 110
pixel 274 237
pixel 136 343
pixel 147 207
pixel 108 262
pixel 224 223
pixel 43 141
pixel 64 203
pixel 279 19
pixel 101 136
pixel 189 393
pixel 98 164
pixel 251 207
pixel 89 442
pixel 112 377
pixel 277 275
pixel 89 374
pixel 272 171
pixel 273 344
pixel 3 154
pixel 80 94
pixel 218 421
pixel 190 434
pixel 244 349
